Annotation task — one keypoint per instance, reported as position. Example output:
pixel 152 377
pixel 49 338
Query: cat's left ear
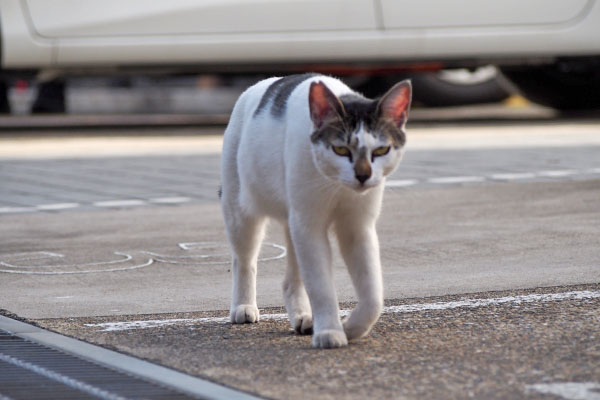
pixel 394 105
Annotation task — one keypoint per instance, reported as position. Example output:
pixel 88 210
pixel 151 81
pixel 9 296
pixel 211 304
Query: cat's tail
pixel 230 180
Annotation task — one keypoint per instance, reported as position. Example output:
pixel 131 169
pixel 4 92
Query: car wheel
pixel 453 87
pixel 567 85
pixel 4 103
pixel 50 98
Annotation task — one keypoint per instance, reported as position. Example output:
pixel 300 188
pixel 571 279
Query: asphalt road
pixel 489 238
pixel 517 344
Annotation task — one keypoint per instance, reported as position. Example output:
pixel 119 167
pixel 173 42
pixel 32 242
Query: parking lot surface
pixel 489 240
pixel 498 345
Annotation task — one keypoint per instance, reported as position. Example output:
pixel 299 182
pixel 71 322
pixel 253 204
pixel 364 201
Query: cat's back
pixel 278 98
pixel 272 111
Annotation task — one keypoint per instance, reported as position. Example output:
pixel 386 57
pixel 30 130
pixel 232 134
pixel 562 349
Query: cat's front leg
pixel 314 259
pixel 360 249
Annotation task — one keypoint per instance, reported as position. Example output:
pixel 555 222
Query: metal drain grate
pixel 32 371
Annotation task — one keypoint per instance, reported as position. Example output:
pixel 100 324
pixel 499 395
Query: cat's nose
pixel 362 178
pixel 362 168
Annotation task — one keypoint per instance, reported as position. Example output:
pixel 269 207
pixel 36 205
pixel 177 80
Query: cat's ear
pixel 324 105
pixel 394 105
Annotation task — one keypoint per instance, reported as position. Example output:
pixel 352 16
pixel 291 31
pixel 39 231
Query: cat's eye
pixel 381 151
pixel 341 151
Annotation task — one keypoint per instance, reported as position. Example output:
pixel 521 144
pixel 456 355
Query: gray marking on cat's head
pixel 378 117
pixel 278 93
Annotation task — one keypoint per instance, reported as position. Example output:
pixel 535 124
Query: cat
pixel 309 152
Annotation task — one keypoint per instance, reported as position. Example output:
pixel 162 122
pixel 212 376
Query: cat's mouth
pixel 362 187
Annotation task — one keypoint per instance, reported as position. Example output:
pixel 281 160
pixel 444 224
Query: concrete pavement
pixel 490 234
pixel 534 344
pixel 434 241
pixel 108 168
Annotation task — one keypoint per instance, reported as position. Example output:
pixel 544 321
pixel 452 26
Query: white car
pixel 550 48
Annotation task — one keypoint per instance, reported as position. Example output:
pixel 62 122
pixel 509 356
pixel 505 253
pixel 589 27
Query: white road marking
pixel 391 183
pixel 192 245
pixel 88 271
pixel 34 255
pixel 407 308
pixel 14 262
pixel 557 173
pixel 513 176
pixel 126 257
pixel 153 323
pixel 57 206
pixel 11 210
pixel 120 203
pixel 456 179
pixel 569 390
pixel 170 200
pixel 475 303
pixel 211 245
pixel 401 182
pixel 40 255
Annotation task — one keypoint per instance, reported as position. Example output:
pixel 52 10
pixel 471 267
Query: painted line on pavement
pixel 21 263
pixel 170 200
pixel 569 390
pixel 391 184
pixel 557 173
pixel 407 308
pixel 173 200
pixel 57 206
pixel 16 210
pixel 501 176
pixel 120 203
pixel 512 176
pixel 456 179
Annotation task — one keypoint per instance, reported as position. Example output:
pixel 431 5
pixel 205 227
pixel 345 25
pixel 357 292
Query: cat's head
pixel 357 141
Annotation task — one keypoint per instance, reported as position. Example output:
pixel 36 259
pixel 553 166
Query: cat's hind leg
pixel 294 293
pixel 245 236
pixel 245 230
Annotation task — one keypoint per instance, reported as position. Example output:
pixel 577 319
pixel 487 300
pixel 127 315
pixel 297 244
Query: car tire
pixel 438 89
pixel 4 102
pixel 50 98
pixel 567 85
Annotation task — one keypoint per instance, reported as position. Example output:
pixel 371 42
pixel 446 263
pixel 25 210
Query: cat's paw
pixel 354 331
pixel 302 323
pixel 244 313
pixel 329 339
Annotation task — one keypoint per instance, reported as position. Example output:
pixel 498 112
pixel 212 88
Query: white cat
pixel 309 152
